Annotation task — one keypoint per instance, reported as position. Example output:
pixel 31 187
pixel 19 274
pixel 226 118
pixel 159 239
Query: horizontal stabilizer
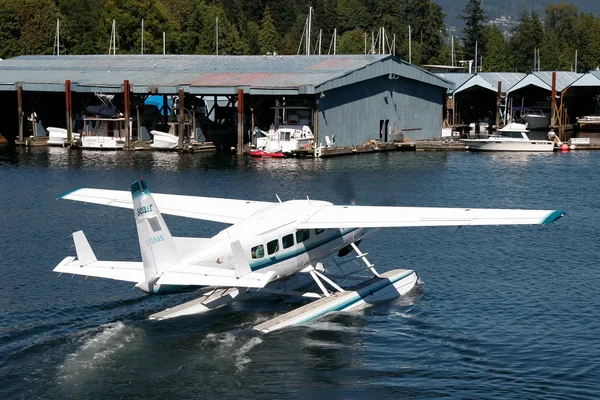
pixel 118 270
pixel 85 254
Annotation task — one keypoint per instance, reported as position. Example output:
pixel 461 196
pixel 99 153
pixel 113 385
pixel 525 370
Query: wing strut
pixel 364 258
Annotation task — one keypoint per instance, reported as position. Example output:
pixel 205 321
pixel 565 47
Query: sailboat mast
pixel 308 33
pixel 142 36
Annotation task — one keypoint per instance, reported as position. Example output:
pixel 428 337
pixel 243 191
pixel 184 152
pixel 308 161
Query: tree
pixel 11 28
pixel 81 27
pixel 526 36
pixel 352 14
pixel 494 49
pixel 268 38
pixel 587 42
pixel 474 18
pixel 351 42
pixel 250 37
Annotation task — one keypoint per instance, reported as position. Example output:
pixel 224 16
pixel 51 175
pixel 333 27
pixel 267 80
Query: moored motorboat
pixel 513 137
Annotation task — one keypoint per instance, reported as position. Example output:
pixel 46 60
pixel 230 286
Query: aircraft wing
pixel 229 211
pixel 381 217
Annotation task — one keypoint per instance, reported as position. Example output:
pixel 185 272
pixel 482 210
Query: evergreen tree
pixel 494 49
pixel 351 42
pixel 474 18
pixel 268 38
pixel 10 21
pixel 250 37
pixel 587 42
pixel 525 38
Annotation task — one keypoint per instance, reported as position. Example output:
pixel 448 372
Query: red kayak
pixel 262 153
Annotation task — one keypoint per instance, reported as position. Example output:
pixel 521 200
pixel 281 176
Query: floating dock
pixel 387 286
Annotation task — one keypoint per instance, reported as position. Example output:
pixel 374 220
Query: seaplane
pixel 268 249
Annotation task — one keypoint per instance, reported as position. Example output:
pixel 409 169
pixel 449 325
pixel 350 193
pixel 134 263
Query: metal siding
pixel 352 113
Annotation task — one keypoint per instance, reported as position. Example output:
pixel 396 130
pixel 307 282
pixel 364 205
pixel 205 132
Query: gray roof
pixel 458 78
pixel 486 80
pixel 543 79
pixel 591 79
pixel 202 74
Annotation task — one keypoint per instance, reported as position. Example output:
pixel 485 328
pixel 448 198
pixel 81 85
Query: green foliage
pixel 268 38
pixel 494 49
pixel 474 18
pixel 351 42
pixel 525 38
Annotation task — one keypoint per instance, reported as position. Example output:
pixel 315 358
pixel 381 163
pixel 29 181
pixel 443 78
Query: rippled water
pixel 503 312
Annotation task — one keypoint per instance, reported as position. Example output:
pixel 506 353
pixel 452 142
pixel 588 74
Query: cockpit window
pixel 302 235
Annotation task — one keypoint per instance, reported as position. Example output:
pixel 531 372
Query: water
pixel 503 312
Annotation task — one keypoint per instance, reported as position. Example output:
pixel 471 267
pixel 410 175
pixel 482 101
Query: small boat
pixel 58 136
pixel 537 119
pixel 265 153
pixel 513 137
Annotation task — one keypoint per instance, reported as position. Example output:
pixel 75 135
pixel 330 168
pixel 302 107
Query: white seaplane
pixel 271 248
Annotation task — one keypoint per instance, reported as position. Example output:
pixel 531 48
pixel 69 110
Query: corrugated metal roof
pixel 486 80
pixel 543 79
pixel 458 78
pixel 202 71
pixel 508 79
pixel 591 79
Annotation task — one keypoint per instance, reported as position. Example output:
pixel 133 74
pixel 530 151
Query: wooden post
pixel 240 103
pixel 20 110
pixel 180 119
pixel 126 93
pixel 165 110
pixel 316 128
pixel 139 120
pixel 253 125
pixel 553 100
pixel 69 111
pixel 498 100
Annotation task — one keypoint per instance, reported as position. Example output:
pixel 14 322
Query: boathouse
pixel 356 98
pixel 479 97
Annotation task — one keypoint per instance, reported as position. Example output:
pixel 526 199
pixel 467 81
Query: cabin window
pixel 319 231
pixel 287 241
pixel 273 246
pixel 302 235
pixel 258 251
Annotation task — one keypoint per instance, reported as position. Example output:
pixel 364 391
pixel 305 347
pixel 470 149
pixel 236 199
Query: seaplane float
pixel 270 248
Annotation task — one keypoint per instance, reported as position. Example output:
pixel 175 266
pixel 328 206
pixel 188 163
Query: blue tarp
pixel 158 101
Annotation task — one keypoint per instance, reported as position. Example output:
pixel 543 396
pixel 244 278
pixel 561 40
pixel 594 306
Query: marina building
pixel 350 99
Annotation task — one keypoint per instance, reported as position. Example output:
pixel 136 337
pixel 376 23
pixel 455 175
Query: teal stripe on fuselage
pixel 271 260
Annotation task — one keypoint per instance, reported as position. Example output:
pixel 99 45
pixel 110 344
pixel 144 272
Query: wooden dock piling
pixel 240 104
pixel 180 119
pixel 126 101
pixel 20 110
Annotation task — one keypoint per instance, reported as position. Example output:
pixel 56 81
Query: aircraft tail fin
pixel 156 243
pixel 85 254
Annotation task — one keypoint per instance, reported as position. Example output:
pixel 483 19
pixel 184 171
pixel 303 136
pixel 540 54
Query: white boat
pixel 163 140
pixel 58 136
pixel 537 119
pixel 287 139
pixel 104 133
pixel 513 137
